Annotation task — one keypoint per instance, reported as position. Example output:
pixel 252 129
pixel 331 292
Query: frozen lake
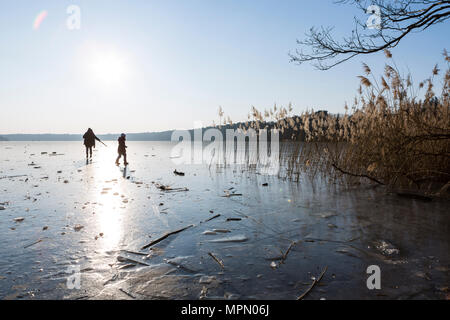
pixel 59 216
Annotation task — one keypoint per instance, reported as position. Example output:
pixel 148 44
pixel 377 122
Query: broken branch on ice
pixel 10 177
pixel 229 195
pixel 129 260
pixel 315 281
pixel 284 256
pixel 209 219
pixel 220 262
pixel 169 188
pixel 32 244
pixel 165 236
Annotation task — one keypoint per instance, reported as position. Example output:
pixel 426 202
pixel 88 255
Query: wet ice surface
pixel 65 214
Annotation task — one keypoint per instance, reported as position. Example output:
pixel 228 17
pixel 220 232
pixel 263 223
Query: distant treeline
pixel 286 134
pixel 149 136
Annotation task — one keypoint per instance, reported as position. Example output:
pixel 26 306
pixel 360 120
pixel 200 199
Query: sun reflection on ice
pixel 110 213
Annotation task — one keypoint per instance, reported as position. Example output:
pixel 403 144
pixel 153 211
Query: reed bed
pixel 395 134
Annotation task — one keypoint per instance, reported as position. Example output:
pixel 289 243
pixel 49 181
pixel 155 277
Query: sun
pixel 108 68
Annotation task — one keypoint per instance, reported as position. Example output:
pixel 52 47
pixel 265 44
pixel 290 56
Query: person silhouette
pixel 122 149
pixel 89 142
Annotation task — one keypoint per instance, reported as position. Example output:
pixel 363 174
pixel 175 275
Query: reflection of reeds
pixel 391 136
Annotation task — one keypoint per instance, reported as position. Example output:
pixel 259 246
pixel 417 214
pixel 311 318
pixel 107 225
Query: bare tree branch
pixel 397 19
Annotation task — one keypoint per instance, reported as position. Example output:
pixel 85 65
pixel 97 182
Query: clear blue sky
pixel 152 65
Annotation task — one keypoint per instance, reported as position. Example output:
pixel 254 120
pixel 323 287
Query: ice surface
pixel 59 214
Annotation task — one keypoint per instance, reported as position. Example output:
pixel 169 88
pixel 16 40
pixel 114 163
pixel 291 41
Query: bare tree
pixel 390 22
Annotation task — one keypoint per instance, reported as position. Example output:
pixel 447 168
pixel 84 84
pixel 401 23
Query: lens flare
pixel 39 19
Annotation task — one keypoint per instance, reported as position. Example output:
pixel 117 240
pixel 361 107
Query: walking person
pixel 122 150
pixel 89 142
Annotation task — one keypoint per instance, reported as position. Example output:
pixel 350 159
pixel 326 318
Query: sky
pixel 153 65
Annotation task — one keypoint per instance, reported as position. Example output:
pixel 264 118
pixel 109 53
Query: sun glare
pixel 108 68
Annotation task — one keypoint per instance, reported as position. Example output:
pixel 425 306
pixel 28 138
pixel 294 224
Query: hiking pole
pixel 103 144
